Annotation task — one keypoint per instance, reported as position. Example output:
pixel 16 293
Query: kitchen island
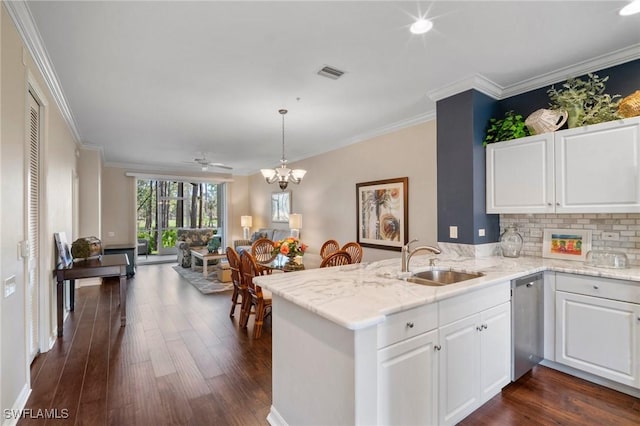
pixel 358 345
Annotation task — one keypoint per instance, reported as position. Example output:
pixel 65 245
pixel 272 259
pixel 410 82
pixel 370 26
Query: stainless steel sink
pixel 441 277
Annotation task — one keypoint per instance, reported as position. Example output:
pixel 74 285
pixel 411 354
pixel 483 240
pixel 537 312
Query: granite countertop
pixel 360 296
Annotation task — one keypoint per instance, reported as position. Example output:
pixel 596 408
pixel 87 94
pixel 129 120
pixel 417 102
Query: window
pixel 163 206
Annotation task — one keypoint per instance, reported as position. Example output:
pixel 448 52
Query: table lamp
pixel 245 222
pixel 295 223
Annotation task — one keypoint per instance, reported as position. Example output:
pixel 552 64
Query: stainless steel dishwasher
pixel 527 327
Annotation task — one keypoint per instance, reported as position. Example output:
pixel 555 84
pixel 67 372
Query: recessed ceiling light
pixel 630 9
pixel 421 26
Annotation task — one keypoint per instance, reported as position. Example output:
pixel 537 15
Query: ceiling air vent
pixel 330 72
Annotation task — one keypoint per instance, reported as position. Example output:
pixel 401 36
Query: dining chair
pixel 329 246
pixel 257 298
pixel 355 251
pixel 337 258
pixel 239 288
pixel 262 251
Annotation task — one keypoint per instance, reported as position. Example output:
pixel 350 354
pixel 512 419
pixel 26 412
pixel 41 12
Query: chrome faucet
pixel 407 253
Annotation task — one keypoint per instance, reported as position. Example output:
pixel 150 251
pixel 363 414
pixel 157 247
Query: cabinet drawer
pixel 407 324
pixel 625 291
pixel 470 303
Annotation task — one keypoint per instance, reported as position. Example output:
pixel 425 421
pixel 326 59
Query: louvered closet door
pixel 33 218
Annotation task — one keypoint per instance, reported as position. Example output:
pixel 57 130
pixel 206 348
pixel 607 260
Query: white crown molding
pixel 612 59
pixel 21 16
pixel 398 125
pixel 486 86
pixel 477 82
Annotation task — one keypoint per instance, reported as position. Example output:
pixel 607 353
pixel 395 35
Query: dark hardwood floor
pixel 181 360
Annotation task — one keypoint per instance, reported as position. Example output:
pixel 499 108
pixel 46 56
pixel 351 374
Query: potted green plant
pixel 512 126
pixel 585 101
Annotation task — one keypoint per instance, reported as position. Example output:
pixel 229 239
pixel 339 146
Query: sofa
pixel 274 234
pixel 189 238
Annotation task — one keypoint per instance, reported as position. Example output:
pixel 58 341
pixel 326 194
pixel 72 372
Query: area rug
pixel 204 285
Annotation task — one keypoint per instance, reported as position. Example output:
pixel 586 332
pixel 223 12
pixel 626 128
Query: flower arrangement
pixel 289 247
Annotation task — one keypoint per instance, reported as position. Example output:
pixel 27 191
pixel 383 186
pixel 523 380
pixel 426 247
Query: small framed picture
pixel 62 249
pixel 280 206
pixel 568 244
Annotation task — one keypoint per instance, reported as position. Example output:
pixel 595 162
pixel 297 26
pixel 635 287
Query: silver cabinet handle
pixel 596 287
pixel 529 284
pixel 437 347
pixel 410 324
pixel 557 204
pixel 548 204
pixel 479 328
pixel 485 326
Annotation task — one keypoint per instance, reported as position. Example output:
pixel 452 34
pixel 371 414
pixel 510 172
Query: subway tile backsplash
pixel 532 226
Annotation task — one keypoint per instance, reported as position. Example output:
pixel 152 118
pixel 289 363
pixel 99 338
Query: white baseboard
pixel 11 418
pixel 275 419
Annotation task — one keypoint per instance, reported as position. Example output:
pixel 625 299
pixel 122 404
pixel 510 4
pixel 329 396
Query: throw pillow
pixel 257 235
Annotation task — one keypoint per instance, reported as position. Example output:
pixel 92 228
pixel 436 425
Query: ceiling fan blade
pixel 221 166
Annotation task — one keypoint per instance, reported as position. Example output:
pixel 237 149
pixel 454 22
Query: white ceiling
pixel 157 83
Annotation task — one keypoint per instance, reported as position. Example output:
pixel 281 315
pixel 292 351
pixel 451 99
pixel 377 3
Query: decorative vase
pixel 292 264
pixel 511 242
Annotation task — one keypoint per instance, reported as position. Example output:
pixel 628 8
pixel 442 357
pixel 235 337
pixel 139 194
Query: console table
pixel 108 265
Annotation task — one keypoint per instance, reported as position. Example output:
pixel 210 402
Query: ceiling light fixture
pixel 630 9
pixel 421 26
pixel 283 175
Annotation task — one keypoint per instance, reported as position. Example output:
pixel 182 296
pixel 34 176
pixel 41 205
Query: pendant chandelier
pixel 283 174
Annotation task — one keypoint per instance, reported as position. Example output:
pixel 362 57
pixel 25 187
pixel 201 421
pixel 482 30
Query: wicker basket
pixel 86 248
pixel 630 106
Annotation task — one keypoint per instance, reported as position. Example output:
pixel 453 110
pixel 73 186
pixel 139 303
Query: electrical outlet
pixel 453 232
pixel 611 236
pixel 536 233
pixel 481 232
pixel 111 234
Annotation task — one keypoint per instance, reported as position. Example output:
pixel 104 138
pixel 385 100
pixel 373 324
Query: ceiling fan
pixel 205 164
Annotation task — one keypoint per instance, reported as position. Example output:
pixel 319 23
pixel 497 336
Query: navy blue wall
pixel 461 125
pixel 461 122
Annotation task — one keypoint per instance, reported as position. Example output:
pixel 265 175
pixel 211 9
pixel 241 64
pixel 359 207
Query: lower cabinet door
pixel 599 336
pixel 495 350
pixel 459 376
pixel 407 381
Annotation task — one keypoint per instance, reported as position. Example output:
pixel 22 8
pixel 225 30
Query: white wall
pixel 326 198
pixel 58 164
pixel 90 180
pixel 118 207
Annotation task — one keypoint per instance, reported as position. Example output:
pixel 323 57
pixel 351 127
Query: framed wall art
pixel 62 249
pixel 280 206
pixel 569 244
pixel 382 213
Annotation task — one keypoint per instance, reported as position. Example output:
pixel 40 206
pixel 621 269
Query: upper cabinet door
pixel 520 175
pixel 597 168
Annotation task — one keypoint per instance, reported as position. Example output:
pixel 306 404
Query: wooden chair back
pixel 262 250
pixel 355 251
pixel 239 290
pixel 234 264
pixel 249 270
pixel 337 258
pixel 329 246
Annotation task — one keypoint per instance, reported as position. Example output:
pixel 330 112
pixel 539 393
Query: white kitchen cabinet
pixel 589 169
pixel 520 175
pixel 595 332
pixel 407 381
pixel 475 361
